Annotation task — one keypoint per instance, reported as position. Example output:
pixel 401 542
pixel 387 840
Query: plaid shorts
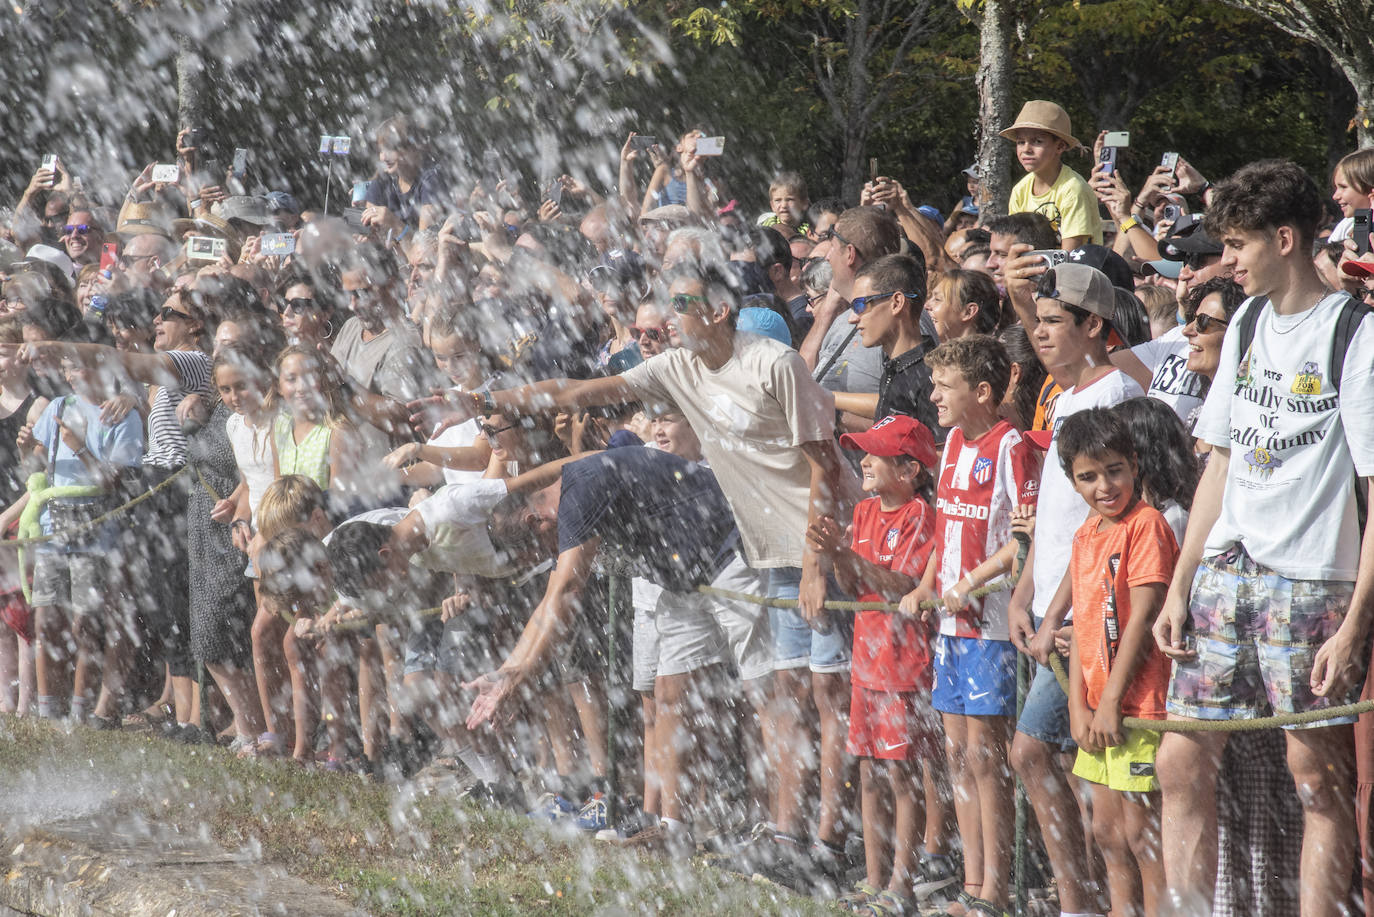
pixel 1256 635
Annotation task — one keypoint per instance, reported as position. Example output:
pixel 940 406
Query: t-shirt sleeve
pixel 1214 422
pixel 192 369
pixel 647 380
pixel 1153 551
pixel 1022 469
pixel 1357 398
pixel 46 425
pixel 1078 210
pixel 810 409
pixel 1020 196
pixel 468 503
pixel 583 502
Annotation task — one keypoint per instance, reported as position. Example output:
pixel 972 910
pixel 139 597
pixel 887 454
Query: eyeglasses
pixel 812 300
pixel 80 229
pixel 1205 323
pixel 169 314
pixel 489 431
pixel 833 233
pixel 653 334
pixel 683 302
pixel 860 303
pixel 299 304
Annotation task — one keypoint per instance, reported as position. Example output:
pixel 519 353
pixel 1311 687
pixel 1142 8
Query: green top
pixel 309 457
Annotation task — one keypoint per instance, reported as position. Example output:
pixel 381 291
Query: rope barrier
pixel 98 520
pixel 1263 722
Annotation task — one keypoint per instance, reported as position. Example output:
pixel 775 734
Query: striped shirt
pixel 166 441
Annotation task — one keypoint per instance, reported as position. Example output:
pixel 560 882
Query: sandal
pixel 886 904
pixel 153 718
pixel 965 902
pixel 270 745
pixel 861 895
pixel 103 723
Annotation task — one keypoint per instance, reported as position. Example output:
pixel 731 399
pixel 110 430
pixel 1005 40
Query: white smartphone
pixel 50 162
pixel 710 146
pixel 205 248
pixel 166 173
pixel 1117 138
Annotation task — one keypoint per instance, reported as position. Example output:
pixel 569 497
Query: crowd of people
pixel 388 466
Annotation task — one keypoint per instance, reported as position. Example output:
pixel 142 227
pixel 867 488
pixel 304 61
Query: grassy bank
pixel 386 849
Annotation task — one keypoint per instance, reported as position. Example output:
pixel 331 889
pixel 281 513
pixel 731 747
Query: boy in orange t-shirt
pixel 892 726
pixel 1123 559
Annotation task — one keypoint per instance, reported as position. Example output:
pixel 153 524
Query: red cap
pixel 1361 268
pixel 896 434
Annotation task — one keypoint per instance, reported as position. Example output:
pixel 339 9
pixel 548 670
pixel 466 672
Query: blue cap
pixel 968 205
pixel 931 212
pixel 281 201
pixel 758 320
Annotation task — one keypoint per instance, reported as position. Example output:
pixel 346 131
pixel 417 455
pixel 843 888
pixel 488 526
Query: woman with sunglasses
pixel 1210 306
pixel 180 369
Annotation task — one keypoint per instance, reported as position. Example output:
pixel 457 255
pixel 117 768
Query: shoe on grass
pixel 660 839
pixel 553 808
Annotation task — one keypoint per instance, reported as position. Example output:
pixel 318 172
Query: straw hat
pixel 1044 116
pixel 136 219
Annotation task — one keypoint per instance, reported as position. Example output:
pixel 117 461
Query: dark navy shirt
pixel 664 514
pixel 386 192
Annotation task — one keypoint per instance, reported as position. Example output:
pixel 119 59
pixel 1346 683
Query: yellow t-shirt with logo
pixel 1070 205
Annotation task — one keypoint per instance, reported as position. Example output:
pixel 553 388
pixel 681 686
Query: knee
pixel 1323 786
pixel 1181 765
pixel 264 627
pixel 1029 757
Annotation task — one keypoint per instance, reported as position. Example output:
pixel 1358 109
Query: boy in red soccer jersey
pixel 892 727
pixel 987 472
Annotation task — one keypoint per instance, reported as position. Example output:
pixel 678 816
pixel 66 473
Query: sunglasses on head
pixel 861 303
pixel 1205 323
pixel 683 302
pixel 489 431
pixel 79 229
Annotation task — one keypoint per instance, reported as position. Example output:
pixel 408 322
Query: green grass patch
pixel 386 850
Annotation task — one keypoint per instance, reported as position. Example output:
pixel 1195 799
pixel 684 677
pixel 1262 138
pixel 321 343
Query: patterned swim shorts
pixel 1256 635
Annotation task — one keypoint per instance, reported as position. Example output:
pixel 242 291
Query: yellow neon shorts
pixel 1127 768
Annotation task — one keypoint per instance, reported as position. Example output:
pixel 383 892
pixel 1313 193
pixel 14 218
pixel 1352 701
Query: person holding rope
pixel 1270 603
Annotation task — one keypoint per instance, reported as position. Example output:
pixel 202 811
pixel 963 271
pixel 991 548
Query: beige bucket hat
pixel 1040 115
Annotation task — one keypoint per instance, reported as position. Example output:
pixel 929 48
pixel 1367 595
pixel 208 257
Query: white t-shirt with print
pixel 1295 444
pixel 1171 381
pixel 1060 510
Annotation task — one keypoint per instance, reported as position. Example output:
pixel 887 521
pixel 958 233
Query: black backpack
pixel 1353 311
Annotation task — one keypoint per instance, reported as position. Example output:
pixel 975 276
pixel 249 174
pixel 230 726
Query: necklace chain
pixel 1273 325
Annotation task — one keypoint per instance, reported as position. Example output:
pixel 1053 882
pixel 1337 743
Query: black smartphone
pixel 1360 231
pixel 641 142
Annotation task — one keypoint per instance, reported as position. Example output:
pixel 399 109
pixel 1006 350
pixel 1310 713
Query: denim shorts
pixel 1045 714
pixel 795 644
pixel 1257 635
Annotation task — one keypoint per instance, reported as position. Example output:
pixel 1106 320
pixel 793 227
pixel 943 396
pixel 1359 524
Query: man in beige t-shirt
pixel 767 429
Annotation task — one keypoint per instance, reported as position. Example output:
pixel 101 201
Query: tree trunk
pixel 190 84
pixel 856 91
pixel 1364 107
pixel 994 107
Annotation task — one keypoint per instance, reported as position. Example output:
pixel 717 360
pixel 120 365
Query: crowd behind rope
pixel 397 455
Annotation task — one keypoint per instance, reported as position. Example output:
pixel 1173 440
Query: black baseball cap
pixel 1188 237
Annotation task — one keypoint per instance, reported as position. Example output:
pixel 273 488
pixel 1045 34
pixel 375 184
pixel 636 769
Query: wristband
pixel 237 522
pixel 1131 222
pixel 1206 186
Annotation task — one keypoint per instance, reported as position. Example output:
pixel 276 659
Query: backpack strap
pixel 1353 311
pixel 1248 322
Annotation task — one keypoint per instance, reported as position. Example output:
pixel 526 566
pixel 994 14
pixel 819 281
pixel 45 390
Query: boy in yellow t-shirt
pixel 1042 134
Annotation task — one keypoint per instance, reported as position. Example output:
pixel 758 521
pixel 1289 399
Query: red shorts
pixel 16 614
pixel 893 725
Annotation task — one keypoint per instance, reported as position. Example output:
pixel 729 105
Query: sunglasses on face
pixel 653 334
pixel 683 302
pixel 833 233
pixel 79 229
pixel 127 261
pixel 860 303
pixel 1205 323
pixel 489 431
pixel 169 314
pixel 299 304
pixel 1196 261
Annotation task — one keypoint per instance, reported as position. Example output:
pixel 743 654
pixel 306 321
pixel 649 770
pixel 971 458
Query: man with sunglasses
pixel 768 431
pixel 82 237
